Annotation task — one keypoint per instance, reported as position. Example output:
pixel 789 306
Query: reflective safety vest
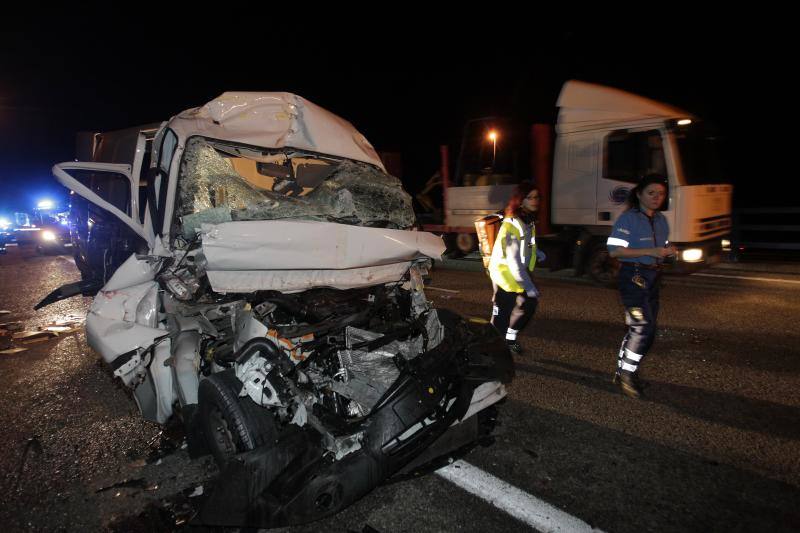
pixel 520 238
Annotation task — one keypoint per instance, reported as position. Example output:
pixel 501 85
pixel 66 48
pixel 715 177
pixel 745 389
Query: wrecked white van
pixel 260 279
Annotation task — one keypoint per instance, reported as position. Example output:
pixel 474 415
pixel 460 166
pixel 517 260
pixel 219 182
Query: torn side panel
pixel 485 394
pixel 113 336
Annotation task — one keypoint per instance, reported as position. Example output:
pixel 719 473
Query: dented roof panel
pixel 276 120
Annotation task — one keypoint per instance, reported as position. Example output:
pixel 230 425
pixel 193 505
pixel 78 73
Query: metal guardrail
pixel 766 228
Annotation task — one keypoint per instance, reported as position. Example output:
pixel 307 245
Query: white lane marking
pixel 441 290
pixel 519 504
pixel 778 280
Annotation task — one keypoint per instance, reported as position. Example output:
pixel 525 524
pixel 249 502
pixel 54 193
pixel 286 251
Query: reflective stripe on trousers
pixel 511 311
pixel 641 313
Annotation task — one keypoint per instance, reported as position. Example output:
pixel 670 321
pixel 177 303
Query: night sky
pixel 408 89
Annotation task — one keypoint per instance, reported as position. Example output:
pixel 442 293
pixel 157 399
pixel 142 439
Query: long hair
pixel 633 196
pixel 514 205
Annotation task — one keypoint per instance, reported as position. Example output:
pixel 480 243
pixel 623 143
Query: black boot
pixel 515 347
pixel 629 384
pixel 640 382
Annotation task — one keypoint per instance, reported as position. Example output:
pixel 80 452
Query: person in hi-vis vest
pixel 511 265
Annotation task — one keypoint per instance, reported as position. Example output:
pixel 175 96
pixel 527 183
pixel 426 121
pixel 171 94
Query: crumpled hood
pixel 298 255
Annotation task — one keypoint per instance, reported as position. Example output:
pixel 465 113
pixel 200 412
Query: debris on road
pixel 28 335
pixel 135 483
pixel 60 329
pixel 5 339
pixel 33 444
pixel 12 351
pixel 15 332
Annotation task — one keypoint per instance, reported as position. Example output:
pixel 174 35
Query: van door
pixel 109 187
pixel 104 225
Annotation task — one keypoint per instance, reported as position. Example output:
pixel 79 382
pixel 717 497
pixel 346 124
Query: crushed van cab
pixel 255 274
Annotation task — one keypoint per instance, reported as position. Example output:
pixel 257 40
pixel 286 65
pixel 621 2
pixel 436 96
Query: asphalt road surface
pixel 714 446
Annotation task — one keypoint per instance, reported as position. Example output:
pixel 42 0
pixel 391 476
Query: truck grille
pixel 708 227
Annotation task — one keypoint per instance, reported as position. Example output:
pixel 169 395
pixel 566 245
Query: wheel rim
pixel 465 242
pixel 221 433
pixel 602 267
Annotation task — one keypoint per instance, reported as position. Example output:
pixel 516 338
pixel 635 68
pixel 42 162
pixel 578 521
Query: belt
pixel 656 267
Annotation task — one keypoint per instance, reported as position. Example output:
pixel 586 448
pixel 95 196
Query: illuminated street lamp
pixel 493 137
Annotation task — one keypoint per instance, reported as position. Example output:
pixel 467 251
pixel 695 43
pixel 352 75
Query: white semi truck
pixel 605 141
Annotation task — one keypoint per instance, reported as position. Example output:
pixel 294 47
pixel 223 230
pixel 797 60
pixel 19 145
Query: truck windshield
pixel 698 146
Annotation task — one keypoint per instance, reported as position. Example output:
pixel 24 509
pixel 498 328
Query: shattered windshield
pixel 222 182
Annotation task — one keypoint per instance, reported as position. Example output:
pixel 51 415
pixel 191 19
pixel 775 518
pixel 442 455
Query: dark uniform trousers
pixel 641 312
pixel 511 310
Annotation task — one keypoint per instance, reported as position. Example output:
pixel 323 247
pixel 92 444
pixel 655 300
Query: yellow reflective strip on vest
pixel 498 264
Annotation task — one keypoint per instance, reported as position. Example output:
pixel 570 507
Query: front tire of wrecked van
pixel 230 424
pixel 602 268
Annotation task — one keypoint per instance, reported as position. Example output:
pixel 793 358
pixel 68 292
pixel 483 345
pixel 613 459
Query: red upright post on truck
pixel 541 164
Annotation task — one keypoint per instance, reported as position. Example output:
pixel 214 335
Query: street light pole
pixel 493 138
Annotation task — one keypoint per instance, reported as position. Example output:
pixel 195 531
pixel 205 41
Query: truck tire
pixel 451 248
pixel 231 424
pixel 466 242
pixel 602 268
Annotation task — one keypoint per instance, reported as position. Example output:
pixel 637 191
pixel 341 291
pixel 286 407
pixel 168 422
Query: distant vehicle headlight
pixel 726 245
pixel 692 255
pixel 48 235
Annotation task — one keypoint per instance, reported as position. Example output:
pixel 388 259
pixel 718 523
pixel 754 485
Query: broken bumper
pixel 435 411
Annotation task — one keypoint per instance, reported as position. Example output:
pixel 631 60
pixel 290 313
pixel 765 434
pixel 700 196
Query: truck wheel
pixel 603 268
pixel 451 248
pixel 231 424
pixel 466 242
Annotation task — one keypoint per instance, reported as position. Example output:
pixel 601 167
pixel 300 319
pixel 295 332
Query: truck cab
pixel 605 141
pixel 609 139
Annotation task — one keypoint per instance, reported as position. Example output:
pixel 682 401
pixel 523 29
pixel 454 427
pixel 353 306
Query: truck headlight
pixel 48 235
pixel 692 255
